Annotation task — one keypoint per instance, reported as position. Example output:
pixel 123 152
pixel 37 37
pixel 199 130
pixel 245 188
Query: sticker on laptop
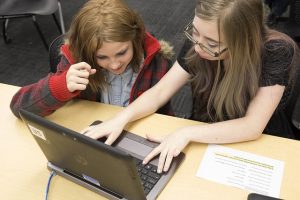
pixel 37 132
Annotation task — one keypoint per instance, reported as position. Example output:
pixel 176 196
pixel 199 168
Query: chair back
pixel 19 8
pixel 295 11
pixel 293 106
pixel 54 52
pixel 11 9
pixel 296 115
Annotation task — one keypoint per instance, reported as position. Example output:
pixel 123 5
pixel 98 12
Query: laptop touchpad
pixel 134 147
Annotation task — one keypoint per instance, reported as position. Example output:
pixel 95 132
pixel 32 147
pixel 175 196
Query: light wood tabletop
pixel 23 172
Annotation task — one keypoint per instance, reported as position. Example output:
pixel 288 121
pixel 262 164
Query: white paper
pixel 241 169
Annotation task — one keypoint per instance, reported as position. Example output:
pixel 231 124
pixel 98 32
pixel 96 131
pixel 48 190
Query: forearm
pixel 157 96
pixel 149 102
pixel 242 129
pixel 231 131
pixel 35 98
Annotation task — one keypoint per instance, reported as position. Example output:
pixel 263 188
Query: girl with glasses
pixel 107 57
pixel 241 74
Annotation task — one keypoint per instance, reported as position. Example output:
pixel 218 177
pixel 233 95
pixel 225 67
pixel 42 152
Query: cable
pixel 48 184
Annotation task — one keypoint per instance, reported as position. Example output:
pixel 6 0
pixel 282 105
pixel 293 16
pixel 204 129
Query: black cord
pixel 48 184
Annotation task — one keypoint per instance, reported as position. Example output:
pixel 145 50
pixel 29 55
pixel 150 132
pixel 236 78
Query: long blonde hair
pixel 224 89
pixel 101 21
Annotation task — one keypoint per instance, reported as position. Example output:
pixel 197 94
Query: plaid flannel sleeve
pixel 38 97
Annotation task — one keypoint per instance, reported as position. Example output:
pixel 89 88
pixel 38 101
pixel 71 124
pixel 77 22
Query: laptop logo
pixel 37 132
pixel 80 159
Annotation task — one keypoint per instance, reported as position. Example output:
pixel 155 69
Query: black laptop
pixel 115 172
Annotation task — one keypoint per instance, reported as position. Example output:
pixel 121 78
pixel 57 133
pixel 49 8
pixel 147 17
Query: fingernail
pixel 159 171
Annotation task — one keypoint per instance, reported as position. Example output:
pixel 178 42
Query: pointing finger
pixel 84 131
pixel 82 66
pixel 110 139
pixel 168 161
pixel 161 161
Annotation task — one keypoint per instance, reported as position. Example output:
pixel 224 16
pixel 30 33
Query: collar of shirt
pixel 118 87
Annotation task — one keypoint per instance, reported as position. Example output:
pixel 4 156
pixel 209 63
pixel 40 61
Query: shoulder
pixel 277 61
pixel 166 49
pixel 162 58
pixel 152 46
pixel 279 47
pixel 277 53
pixel 181 58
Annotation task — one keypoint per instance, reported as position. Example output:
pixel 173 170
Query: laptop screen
pixel 115 171
pixel 85 158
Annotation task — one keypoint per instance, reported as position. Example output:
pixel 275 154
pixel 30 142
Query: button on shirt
pixel 118 87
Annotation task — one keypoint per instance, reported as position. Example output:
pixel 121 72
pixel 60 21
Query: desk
pixel 23 172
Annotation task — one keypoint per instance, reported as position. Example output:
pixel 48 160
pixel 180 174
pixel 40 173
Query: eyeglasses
pixel 188 33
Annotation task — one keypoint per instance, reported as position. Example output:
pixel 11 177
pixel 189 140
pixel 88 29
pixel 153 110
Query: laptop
pixel 115 172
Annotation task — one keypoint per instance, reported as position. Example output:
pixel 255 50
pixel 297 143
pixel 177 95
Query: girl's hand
pixel 110 129
pixel 169 147
pixel 78 76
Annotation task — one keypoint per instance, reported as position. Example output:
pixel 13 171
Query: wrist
pixel 188 134
pixel 58 87
pixel 122 118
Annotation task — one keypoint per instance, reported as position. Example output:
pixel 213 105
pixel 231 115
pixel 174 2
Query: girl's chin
pixel 118 71
pixel 207 57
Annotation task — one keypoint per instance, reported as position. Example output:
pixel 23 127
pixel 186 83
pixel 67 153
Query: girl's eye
pixel 122 53
pixel 212 45
pixel 101 57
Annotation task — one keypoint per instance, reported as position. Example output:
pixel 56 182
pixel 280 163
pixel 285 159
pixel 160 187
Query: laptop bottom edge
pixel 79 180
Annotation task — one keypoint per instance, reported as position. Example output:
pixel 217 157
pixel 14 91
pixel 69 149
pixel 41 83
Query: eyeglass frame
pixel 202 46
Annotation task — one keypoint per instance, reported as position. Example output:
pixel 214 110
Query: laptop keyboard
pixel 148 175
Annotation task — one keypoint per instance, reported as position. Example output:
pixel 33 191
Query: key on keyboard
pixel 148 174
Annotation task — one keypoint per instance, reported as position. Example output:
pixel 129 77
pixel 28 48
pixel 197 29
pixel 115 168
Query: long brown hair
pixel 101 21
pixel 224 89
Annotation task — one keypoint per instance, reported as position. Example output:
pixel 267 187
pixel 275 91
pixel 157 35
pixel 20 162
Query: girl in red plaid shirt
pixel 107 57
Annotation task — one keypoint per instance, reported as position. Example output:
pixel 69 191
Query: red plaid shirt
pixel 51 92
